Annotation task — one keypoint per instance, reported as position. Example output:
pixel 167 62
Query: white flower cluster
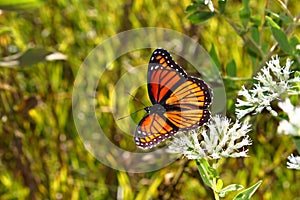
pixel 223 139
pixel 273 81
pixel 291 126
pixel 293 162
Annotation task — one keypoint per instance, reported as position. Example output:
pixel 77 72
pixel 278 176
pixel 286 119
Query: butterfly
pixel 179 102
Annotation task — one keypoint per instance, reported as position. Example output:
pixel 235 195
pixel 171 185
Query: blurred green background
pixel 42 156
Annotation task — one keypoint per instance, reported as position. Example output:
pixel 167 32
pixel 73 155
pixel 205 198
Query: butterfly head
pixel 156 109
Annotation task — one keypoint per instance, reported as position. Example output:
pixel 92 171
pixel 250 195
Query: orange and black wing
pixel 164 75
pixel 153 129
pixel 179 101
pixel 185 109
pixel 188 104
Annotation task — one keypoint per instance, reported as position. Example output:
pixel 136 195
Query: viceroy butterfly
pixel 179 101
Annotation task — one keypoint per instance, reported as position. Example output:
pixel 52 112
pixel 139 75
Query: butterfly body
pixel 179 101
pixel 156 108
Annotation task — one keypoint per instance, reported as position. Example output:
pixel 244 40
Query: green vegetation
pixel 43 157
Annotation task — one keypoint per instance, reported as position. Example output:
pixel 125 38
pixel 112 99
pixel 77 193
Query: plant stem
pixel 216 195
pixel 214 189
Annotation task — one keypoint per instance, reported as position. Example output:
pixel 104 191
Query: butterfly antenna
pixel 138 100
pixel 130 114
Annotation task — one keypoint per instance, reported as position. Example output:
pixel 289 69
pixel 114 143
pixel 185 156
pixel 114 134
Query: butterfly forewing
pixel 192 94
pixel 163 75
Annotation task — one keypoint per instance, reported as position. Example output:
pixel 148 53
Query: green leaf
pixel 253 48
pixel 231 68
pixel 191 7
pixel 213 172
pixel 194 6
pixel 272 23
pixel 219 185
pixel 230 188
pixel 222 6
pixel 30 57
pixel 200 16
pixel 124 183
pixel 214 56
pixel 285 18
pixel 297 141
pixel 294 42
pixel 20 4
pixel 256 20
pixel 245 13
pixel 207 173
pixel 282 17
pixel 255 34
pixel 279 36
pixel 247 193
pixel 296 74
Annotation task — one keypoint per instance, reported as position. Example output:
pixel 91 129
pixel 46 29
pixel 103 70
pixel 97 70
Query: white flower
pixel 293 162
pixel 273 81
pixel 222 139
pixel 291 126
pixel 187 144
pixel 210 5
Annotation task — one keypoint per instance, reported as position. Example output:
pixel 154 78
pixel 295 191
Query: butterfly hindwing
pixel 153 129
pixel 189 102
pixel 179 101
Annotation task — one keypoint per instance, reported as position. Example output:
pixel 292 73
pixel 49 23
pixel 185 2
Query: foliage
pixel 42 157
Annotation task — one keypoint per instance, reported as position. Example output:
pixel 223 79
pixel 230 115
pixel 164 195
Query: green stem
pixel 215 182
pixel 203 166
pixel 216 194
pixel 209 175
